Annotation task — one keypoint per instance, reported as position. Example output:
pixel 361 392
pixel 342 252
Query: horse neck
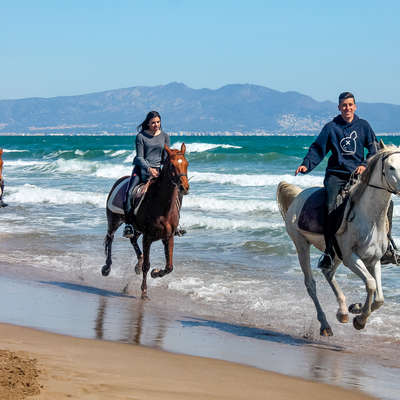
pixel 166 193
pixel 375 202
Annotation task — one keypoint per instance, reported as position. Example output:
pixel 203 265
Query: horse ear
pixel 183 148
pixel 381 145
pixel 167 149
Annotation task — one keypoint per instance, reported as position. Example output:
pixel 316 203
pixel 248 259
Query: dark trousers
pixel 333 185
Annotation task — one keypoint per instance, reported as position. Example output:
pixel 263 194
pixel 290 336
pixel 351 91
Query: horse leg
pixel 355 264
pixel 146 265
pixel 113 224
pixel 168 251
pixel 379 299
pixel 342 314
pixel 303 252
pixel 105 270
pixel 139 254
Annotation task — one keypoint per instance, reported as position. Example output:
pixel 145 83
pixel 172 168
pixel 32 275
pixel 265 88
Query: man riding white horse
pixel 346 137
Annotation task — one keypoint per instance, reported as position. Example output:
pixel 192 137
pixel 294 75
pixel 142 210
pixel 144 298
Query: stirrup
pixel 325 261
pixel 128 231
pixel 391 256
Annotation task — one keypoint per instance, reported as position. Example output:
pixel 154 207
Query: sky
pixel 52 48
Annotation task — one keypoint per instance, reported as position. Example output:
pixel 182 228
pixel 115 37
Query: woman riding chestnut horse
pixel 157 216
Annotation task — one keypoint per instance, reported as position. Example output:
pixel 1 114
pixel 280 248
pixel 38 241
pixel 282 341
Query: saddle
pixel 136 195
pixel 313 216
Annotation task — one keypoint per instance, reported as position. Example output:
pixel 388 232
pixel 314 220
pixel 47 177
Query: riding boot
pixel 392 254
pixel 128 228
pixel 180 231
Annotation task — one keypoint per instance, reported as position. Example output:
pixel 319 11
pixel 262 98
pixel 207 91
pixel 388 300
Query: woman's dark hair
pixel 145 124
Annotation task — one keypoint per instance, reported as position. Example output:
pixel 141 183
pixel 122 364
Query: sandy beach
pixel 52 366
pixel 62 340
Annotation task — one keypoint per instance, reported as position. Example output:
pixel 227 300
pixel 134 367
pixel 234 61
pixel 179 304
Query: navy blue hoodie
pixel 346 142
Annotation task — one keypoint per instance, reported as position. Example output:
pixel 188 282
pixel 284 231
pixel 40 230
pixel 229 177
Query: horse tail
pixel 285 194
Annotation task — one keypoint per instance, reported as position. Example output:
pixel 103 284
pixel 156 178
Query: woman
pixel 2 204
pixel 150 155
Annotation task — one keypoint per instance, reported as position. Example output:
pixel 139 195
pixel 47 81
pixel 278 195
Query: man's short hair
pixel 346 95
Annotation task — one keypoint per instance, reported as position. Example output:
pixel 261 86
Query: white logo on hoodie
pixel 349 144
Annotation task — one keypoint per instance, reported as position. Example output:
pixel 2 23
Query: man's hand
pixel 302 169
pixel 360 169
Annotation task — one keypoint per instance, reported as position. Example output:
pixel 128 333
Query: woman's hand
pixel 153 172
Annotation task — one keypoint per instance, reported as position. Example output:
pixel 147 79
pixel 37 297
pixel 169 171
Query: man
pixel 346 137
pixel 2 204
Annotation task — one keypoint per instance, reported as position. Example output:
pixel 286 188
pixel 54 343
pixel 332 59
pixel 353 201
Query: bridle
pixel 388 187
pixel 174 177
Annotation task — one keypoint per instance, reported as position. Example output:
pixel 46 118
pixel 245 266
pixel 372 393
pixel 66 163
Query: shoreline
pixel 87 313
pixel 70 367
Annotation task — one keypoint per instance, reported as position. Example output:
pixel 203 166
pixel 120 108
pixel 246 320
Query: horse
pixel 361 238
pixel 156 218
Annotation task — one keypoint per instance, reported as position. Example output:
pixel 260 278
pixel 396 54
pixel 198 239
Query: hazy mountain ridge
pixel 231 108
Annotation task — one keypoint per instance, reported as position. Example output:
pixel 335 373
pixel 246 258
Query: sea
pixel 236 262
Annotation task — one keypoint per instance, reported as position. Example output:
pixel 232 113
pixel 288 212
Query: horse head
pixel 177 168
pixel 386 165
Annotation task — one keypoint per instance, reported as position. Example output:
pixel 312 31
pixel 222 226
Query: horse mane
pixel 357 191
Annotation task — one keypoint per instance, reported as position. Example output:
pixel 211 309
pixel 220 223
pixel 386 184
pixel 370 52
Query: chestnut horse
pixel 157 217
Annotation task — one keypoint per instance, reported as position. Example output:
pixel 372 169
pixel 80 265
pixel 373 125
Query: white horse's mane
pixel 358 189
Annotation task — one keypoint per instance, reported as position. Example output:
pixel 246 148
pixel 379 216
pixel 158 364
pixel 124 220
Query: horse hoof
pixel 326 332
pixel 105 271
pixel 154 273
pixel 125 289
pixel 138 270
pixel 357 324
pixel 145 297
pixel 342 318
pixel 355 308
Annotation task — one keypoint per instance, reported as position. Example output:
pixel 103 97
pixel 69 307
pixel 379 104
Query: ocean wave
pixel 200 147
pixel 204 222
pixel 33 194
pixel 255 179
pixel 15 151
pixel 228 205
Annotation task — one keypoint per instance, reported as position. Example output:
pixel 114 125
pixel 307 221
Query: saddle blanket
pixel 313 214
pixel 115 201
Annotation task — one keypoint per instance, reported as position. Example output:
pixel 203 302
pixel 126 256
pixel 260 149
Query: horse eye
pixel 392 168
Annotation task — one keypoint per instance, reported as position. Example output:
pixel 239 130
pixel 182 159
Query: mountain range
pixel 236 108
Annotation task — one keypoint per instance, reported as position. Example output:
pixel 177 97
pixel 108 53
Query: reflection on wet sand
pixel 89 312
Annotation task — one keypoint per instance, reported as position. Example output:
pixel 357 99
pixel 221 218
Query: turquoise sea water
pixel 236 263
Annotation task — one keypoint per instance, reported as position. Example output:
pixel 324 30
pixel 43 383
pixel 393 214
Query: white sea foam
pixel 120 153
pixel 15 151
pixel 200 147
pixel 33 194
pixel 255 179
pixel 218 204
pixel 206 222
pixel 21 163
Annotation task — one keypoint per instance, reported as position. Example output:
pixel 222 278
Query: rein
pixel 388 188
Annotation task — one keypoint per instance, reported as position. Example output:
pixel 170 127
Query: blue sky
pixel 67 47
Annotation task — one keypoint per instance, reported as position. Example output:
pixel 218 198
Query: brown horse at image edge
pixel 157 217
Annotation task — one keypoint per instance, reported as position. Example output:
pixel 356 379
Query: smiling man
pixel 346 137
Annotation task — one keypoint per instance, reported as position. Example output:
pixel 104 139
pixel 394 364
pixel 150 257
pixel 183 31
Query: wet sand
pixel 137 356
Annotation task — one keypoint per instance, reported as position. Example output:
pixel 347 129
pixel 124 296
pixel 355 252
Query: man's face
pixel 347 108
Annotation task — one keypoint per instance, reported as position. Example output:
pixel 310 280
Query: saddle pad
pixel 313 214
pixel 116 200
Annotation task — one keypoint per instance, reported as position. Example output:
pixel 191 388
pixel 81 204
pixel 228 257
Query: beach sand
pixel 87 340
pixel 52 366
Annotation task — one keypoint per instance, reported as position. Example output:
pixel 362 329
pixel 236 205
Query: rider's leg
pixel 333 185
pixel 392 254
pixel 133 181
pixel 2 204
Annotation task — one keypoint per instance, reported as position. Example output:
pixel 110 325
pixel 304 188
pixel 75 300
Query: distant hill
pixel 232 108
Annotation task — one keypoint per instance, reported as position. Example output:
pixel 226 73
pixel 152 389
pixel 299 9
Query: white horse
pixel 362 236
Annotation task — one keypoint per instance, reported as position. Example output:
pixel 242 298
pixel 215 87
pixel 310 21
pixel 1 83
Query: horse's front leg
pixel 105 270
pixel 139 254
pixel 355 264
pixel 146 265
pixel 379 299
pixel 342 314
pixel 168 251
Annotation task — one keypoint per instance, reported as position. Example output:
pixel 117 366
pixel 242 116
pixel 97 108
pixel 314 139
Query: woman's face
pixel 154 124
